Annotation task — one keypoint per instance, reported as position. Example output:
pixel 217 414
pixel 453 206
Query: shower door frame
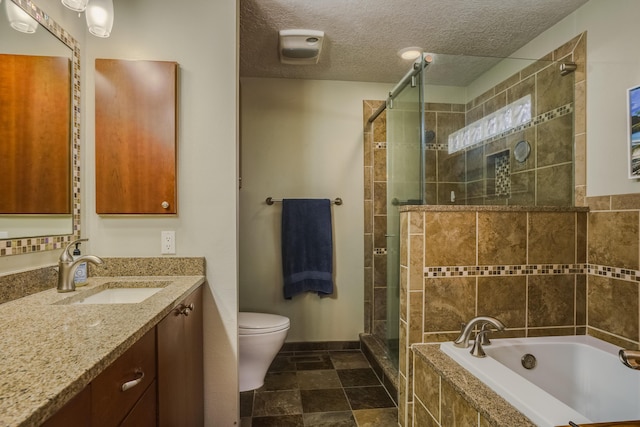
pixel 413 80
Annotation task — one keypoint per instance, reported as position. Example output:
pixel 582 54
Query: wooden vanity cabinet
pixel 136 125
pixel 171 391
pixel 180 365
pixel 77 412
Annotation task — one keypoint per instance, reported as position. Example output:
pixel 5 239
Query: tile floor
pixel 319 388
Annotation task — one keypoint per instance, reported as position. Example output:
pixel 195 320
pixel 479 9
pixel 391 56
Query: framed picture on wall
pixel 633 129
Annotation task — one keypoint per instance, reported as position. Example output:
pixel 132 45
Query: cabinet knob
pixel 130 384
pixel 165 205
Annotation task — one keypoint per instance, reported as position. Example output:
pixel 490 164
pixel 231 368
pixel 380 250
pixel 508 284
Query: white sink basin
pixel 125 292
pixel 119 296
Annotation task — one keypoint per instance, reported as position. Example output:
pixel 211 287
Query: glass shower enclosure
pixel 405 180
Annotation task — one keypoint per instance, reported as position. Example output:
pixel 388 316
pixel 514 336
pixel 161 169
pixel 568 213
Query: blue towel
pixel 307 246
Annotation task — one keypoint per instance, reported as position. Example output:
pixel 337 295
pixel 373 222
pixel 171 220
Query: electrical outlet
pixel 168 242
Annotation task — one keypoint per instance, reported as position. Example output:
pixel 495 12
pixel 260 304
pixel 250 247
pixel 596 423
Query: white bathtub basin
pixel 577 378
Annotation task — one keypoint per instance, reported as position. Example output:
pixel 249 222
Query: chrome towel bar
pixel 271 200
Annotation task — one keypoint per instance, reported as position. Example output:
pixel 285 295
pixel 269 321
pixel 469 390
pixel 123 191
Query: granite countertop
pixel 51 351
pixel 486 401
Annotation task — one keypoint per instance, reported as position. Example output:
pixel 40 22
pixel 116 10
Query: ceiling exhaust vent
pixel 300 46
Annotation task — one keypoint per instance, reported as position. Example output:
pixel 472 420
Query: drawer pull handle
pixel 130 384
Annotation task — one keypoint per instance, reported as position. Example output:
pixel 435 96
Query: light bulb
pixel 99 14
pixel 75 5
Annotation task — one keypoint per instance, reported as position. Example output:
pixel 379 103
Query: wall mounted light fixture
pixel 19 19
pixel 99 14
pixel 76 5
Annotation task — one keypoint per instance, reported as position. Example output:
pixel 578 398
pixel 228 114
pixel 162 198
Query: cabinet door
pixel 135 137
pixel 77 412
pixel 180 365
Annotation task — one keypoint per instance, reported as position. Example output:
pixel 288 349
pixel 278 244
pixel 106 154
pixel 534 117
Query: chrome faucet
pixel 630 358
pixel 67 267
pixel 465 335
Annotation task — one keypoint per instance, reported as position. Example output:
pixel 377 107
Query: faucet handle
pixel 477 350
pixel 486 328
pixel 66 256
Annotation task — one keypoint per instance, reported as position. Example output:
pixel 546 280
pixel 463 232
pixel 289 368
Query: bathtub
pixel 576 378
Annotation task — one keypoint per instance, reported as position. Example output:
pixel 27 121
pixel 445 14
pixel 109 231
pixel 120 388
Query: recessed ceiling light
pixel 410 52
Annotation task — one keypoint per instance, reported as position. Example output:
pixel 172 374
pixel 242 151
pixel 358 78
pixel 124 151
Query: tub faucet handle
pixel 477 350
pixel 484 337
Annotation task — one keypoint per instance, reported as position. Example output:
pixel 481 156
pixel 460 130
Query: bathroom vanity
pixel 65 362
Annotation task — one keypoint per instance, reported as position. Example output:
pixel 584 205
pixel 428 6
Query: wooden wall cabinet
pixel 136 130
pixel 180 365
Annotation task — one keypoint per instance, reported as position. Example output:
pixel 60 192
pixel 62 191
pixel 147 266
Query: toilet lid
pixel 260 323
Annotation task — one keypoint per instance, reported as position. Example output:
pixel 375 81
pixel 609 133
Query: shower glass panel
pixel 404 186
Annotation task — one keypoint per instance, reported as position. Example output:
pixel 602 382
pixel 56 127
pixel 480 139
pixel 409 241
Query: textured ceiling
pixel 363 36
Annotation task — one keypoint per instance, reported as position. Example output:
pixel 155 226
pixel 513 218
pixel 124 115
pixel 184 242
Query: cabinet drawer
pixel 110 403
pixel 144 413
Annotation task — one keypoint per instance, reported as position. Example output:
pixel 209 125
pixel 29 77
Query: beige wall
pixel 303 139
pixel 201 38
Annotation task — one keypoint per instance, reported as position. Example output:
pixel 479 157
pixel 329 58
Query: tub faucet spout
pixel 465 335
pixel 630 358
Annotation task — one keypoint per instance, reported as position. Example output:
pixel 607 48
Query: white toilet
pixel 261 337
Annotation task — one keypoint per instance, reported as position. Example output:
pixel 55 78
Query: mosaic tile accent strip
pixel 504 270
pixel 503 178
pixel 614 272
pixel 380 251
pixel 380 145
pixel 47 243
pixel 533 269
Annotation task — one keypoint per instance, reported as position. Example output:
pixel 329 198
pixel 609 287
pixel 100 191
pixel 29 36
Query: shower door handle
pixel 390 235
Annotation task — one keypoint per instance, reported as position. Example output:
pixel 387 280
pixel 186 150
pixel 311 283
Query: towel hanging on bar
pixel 307 247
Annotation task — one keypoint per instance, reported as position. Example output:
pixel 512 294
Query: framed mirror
pixel 40 201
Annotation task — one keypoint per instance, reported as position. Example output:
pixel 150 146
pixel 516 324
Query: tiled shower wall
pixel 375 222
pixel 525 266
pixel 488 174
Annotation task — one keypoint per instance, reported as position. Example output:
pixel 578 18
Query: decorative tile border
pixel 379 251
pixel 47 243
pixel 614 273
pixel 504 270
pixel 532 269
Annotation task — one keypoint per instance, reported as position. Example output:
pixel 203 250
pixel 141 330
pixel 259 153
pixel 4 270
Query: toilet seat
pixel 261 323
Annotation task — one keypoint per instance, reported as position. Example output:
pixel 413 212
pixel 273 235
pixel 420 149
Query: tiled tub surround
pixel 446 395
pixel 525 266
pixel 54 351
pixel 613 289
